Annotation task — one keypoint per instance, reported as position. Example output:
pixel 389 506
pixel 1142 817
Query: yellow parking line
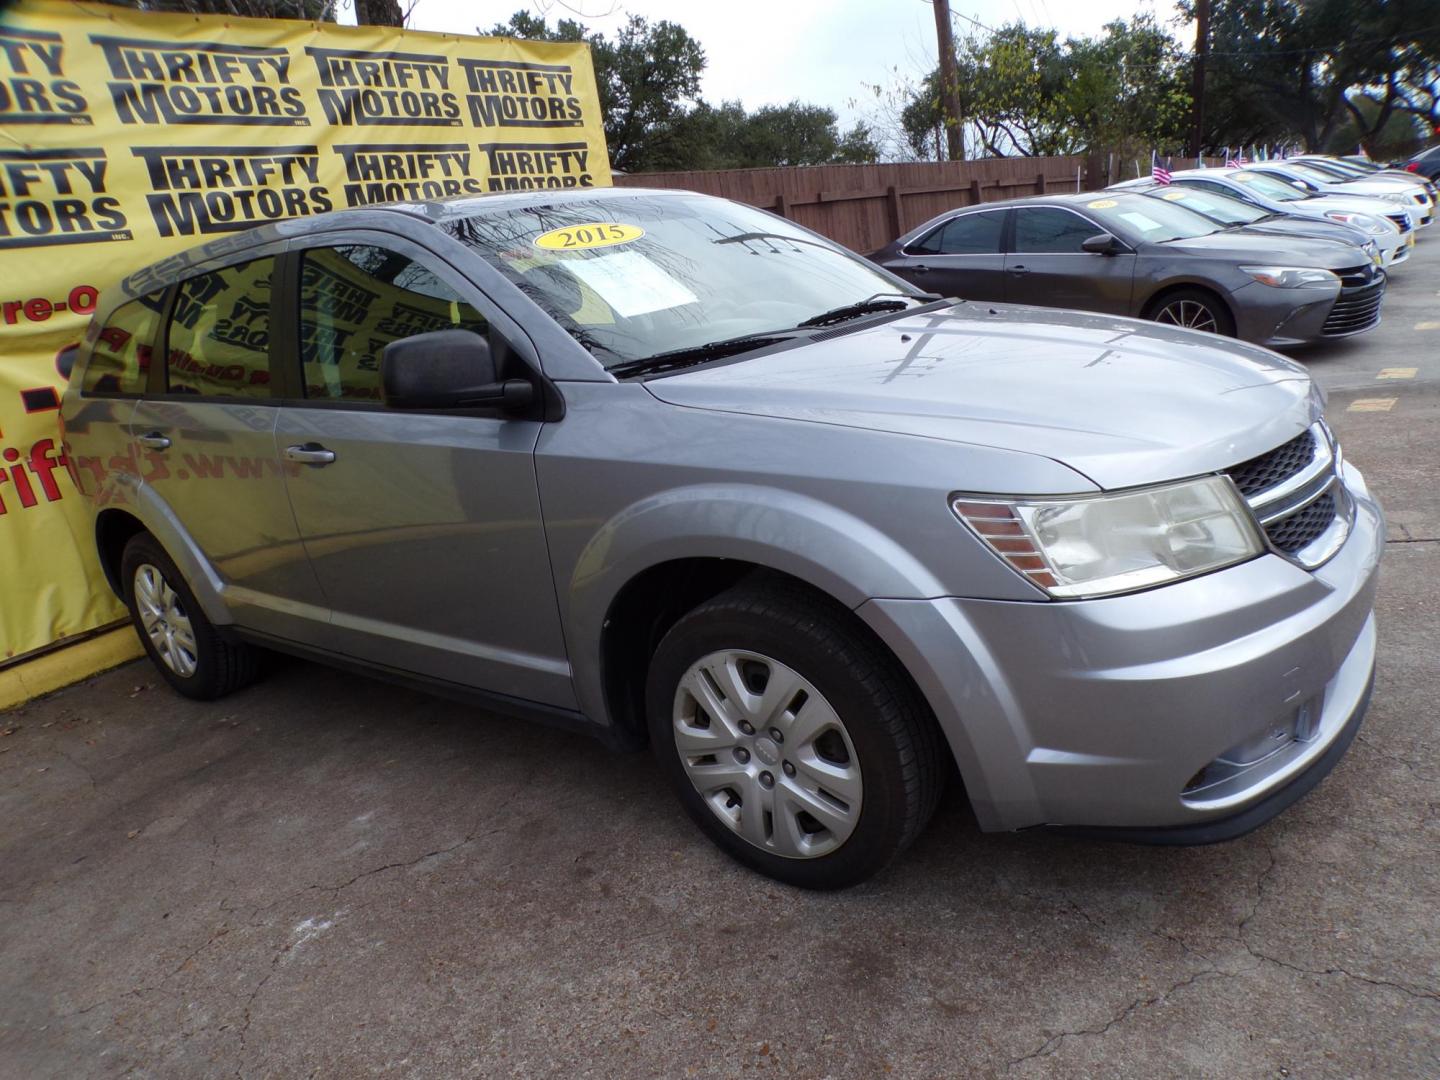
pixel 1372 404
pixel 1427 325
pixel 1397 373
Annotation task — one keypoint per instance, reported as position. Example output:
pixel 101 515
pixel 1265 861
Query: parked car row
pixel 1279 253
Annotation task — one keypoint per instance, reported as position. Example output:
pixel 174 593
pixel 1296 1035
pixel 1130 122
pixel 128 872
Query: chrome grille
pixel 1402 221
pixel 1305 526
pixel 1294 491
pixel 1355 310
pixel 1263 472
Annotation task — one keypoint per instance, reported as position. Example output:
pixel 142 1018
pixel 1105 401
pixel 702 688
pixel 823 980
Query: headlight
pixel 1098 545
pixel 1290 277
pixel 1375 226
pixel 1371 224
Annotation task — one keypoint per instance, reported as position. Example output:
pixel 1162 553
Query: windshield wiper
pixel 870 305
pixel 697 354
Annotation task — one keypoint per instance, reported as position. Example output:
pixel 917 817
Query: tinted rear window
pixel 120 362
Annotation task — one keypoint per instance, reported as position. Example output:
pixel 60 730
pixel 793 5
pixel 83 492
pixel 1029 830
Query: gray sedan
pixel 1130 254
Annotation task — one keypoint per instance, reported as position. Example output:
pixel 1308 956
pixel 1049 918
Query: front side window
pixel 120 362
pixel 1043 229
pixel 969 234
pixel 357 298
pixel 218 340
pixel 631 276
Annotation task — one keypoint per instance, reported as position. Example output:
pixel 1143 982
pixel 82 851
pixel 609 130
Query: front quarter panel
pixel 628 482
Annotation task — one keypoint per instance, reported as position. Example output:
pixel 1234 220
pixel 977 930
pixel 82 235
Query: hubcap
pixel 1190 314
pixel 797 795
pixel 165 622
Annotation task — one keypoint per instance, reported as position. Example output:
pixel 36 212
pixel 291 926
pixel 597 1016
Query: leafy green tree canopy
pixel 655 120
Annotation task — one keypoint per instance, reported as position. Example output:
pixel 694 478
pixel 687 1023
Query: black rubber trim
pixel 1252 817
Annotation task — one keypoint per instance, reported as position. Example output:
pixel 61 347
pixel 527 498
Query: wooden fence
pixel 864 207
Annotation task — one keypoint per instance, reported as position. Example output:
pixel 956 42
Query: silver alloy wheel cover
pixel 812 801
pixel 1190 314
pixel 164 620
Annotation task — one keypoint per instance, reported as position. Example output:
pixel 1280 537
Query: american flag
pixel 1159 173
pixel 1238 162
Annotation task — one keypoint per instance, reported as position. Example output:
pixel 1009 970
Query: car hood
pixel 1260 248
pixel 1122 401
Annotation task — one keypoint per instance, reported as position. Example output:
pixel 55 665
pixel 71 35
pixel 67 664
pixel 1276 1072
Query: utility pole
pixel 1202 50
pixel 949 90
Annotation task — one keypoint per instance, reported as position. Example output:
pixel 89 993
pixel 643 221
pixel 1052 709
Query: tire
pixel 181 642
pixel 1205 310
pixel 864 753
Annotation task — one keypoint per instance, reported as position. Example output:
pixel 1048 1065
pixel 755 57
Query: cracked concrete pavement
pixel 324 876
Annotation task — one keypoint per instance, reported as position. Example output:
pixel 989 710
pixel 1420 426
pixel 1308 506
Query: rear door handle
pixel 309 454
pixel 1019 271
pixel 919 268
pixel 153 440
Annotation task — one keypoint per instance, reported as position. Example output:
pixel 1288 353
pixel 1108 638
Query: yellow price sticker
pixel 1173 196
pixel 1102 204
pixel 591 235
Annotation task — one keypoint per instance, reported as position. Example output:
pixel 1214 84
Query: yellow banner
pixel 127 137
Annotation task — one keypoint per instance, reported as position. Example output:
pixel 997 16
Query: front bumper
pixel 1102 713
pixel 1281 317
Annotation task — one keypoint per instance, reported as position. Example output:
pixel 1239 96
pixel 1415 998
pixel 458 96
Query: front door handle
pixel 919 268
pixel 309 454
pixel 153 440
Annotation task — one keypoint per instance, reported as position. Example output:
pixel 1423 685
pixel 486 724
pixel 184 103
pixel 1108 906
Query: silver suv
pixel 667 469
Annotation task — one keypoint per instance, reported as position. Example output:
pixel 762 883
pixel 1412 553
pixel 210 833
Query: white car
pixel 1353 170
pixel 1399 192
pixel 1392 227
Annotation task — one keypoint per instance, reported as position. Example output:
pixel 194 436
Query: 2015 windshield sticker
pixel 1101 204
pixel 592 235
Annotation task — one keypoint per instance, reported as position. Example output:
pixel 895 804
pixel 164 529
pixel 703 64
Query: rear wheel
pixel 183 644
pixel 1193 309
pixel 793 740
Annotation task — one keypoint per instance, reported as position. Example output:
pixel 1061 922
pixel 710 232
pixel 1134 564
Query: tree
pixel 645 77
pixel 1024 91
pixel 655 120
pixel 1281 69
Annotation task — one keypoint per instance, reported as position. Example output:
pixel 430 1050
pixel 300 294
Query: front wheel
pixel 793 740
pixel 1193 309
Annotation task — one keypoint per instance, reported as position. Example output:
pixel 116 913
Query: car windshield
pixel 637 276
pixel 1269 186
pixel 1141 218
pixel 1216 207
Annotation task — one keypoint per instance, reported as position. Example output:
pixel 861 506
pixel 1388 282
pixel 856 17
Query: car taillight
pixel 1414 166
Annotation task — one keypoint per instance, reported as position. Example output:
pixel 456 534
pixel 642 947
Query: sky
pixel 775 51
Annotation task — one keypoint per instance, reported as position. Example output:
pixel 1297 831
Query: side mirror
pixel 1303 185
pixel 1104 244
pixel 447 369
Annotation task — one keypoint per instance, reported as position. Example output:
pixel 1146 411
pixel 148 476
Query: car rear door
pixel 424 529
pixel 205 434
pixel 963 257
pixel 1047 265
